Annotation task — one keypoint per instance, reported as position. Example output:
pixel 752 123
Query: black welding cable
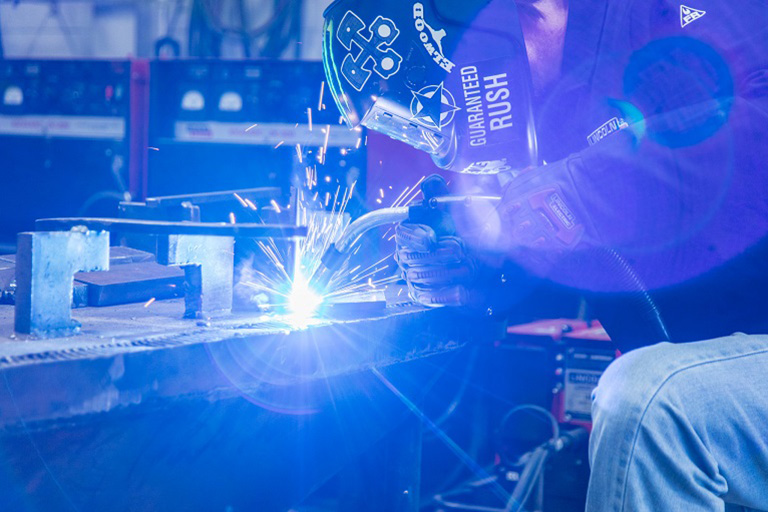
pixel 528 479
pixel 537 410
pixel 535 463
pixel 534 468
pixel 448 499
pixel 634 319
pixel 532 471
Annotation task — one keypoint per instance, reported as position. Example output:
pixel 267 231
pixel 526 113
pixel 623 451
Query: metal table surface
pixel 147 411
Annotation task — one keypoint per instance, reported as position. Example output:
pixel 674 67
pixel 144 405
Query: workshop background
pixel 167 376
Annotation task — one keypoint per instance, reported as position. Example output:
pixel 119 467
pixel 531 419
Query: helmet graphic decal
pixel 434 106
pixel 431 39
pixel 448 77
pixel 382 33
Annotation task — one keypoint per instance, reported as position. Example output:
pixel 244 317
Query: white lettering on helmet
pixel 431 39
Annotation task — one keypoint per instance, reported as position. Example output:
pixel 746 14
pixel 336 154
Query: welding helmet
pixel 449 77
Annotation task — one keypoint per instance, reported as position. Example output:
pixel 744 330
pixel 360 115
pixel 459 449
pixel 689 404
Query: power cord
pixel 533 463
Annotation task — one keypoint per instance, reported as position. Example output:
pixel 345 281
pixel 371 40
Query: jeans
pixel 682 428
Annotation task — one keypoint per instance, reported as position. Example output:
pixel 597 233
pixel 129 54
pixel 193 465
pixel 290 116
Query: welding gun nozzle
pixel 337 253
pixel 331 261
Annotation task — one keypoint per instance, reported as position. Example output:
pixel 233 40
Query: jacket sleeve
pixel 683 189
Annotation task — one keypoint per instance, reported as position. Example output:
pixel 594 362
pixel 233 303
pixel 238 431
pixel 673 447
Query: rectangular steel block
pixel 45 268
pixel 208 263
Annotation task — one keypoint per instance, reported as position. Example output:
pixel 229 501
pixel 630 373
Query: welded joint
pixel 46 263
pixel 208 263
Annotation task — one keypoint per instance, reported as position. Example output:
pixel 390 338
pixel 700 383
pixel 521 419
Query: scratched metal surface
pixel 129 354
pixel 145 411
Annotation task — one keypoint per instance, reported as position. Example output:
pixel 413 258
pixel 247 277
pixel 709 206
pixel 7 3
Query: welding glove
pixel 542 219
pixel 438 269
pixel 439 266
pixel 488 257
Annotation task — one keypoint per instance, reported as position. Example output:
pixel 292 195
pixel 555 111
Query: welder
pixel 627 139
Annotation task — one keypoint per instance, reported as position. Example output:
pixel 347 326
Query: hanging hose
pixel 337 253
pixel 632 319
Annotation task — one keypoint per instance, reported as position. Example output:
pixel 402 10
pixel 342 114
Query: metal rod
pixel 215 197
pixel 151 227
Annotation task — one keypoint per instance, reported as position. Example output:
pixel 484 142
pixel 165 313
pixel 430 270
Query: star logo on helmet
pixel 434 106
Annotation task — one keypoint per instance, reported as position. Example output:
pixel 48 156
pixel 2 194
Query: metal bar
pixel 215 197
pixel 173 228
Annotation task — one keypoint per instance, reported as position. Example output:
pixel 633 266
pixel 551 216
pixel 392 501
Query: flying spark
pixel 278 276
pixel 240 200
pixel 325 143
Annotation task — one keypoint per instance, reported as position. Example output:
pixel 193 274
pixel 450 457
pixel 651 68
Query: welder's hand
pixel 436 264
pixel 438 269
pixel 543 219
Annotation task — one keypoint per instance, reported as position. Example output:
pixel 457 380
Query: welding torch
pixel 417 213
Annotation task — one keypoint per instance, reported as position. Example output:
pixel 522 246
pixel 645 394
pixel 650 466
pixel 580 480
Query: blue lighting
pixel 303 301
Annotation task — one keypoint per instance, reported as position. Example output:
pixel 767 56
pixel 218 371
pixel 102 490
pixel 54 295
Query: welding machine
pixel 537 384
pixel 225 125
pixel 66 135
pixel 560 362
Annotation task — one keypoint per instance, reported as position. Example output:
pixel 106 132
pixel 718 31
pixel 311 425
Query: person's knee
pixel 630 385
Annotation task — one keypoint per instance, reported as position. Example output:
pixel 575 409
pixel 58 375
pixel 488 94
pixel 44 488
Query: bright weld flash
pixel 303 301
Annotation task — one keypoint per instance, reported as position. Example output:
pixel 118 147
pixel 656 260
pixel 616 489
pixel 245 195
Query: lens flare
pixel 303 301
